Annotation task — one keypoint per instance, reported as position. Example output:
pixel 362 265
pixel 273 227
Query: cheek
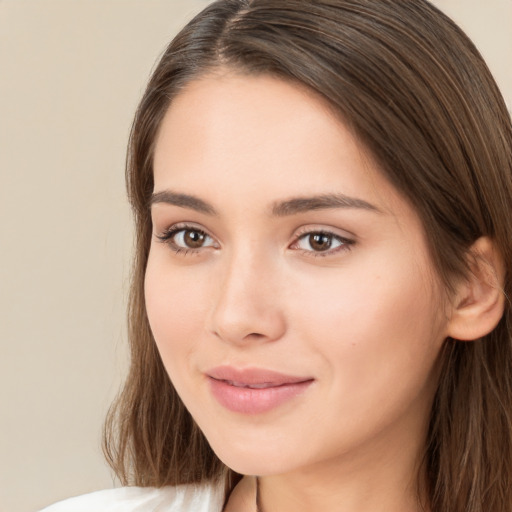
pixel 175 308
pixel 379 324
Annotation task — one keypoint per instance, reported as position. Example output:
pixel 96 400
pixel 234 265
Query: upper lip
pixel 254 376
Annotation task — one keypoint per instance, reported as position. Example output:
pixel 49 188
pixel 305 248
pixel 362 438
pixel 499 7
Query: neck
pixel 355 493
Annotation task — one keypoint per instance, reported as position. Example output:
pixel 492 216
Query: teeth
pixel 236 384
pixel 264 385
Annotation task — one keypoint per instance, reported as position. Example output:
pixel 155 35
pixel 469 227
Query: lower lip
pixel 255 401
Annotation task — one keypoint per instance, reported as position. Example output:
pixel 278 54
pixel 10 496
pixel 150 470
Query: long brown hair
pixel 419 96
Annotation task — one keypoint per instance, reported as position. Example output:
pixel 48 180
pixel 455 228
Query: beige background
pixel 71 73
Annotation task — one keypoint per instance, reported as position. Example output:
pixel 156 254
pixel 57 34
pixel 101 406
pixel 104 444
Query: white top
pixel 184 498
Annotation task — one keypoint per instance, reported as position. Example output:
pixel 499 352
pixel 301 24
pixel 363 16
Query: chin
pixel 258 458
pixel 255 465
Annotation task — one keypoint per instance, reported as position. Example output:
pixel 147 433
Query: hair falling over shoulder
pixel 420 97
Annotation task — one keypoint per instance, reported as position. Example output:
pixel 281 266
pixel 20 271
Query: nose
pixel 247 306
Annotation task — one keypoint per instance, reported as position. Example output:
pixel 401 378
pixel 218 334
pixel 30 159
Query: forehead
pixel 228 111
pixel 262 138
pixel 225 98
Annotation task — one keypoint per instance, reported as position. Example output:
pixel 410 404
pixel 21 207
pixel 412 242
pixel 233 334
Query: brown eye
pixel 193 239
pixel 322 242
pixel 186 238
pixel 319 241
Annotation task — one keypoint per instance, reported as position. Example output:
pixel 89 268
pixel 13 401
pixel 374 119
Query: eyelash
pixel 168 235
pixel 346 243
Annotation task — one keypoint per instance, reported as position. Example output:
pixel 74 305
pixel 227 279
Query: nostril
pixel 240 333
pixel 225 334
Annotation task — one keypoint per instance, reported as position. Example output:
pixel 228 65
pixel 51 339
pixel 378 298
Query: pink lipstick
pixel 254 390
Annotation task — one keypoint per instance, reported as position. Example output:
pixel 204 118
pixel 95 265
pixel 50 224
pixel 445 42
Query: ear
pixel 479 300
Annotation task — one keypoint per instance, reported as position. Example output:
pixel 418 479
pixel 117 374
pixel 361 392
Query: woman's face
pixel 289 287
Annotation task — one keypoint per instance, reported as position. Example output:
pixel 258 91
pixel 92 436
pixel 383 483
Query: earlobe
pixel 479 301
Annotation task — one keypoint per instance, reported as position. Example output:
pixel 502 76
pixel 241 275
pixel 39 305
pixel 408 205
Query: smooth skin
pixel 339 288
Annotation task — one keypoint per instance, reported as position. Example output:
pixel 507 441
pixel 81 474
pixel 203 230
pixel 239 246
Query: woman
pixel 319 316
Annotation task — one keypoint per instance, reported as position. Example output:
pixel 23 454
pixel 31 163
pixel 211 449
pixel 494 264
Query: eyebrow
pixel 291 206
pixel 182 200
pixel 321 202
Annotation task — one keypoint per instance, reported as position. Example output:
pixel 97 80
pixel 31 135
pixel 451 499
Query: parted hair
pixel 420 98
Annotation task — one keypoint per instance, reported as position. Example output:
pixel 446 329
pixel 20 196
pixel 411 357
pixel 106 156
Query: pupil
pixel 194 239
pixel 320 242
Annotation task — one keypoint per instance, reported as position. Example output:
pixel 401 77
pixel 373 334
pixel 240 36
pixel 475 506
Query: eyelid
pixel 182 225
pixel 323 228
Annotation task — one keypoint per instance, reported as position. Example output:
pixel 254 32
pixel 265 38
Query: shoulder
pixel 183 498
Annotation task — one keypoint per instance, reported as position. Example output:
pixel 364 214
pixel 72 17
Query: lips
pixel 254 390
